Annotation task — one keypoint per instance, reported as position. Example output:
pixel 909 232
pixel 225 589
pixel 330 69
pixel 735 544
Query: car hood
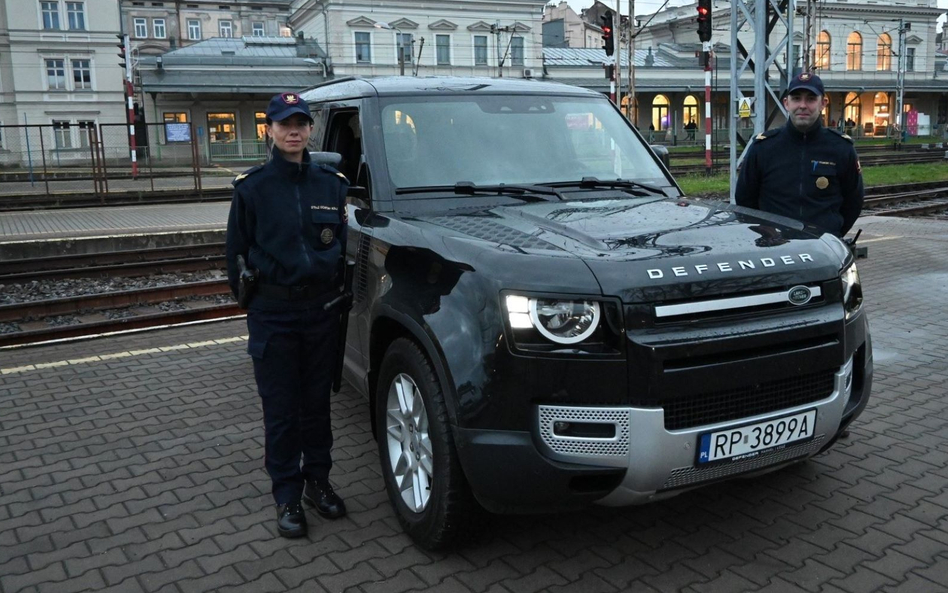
pixel 657 249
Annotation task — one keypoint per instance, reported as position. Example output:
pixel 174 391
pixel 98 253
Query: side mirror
pixel 333 159
pixel 662 153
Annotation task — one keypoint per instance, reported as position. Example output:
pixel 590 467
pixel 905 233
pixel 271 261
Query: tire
pixel 420 466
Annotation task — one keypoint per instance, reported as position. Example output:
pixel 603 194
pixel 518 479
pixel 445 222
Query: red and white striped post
pixel 707 107
pixel 129 94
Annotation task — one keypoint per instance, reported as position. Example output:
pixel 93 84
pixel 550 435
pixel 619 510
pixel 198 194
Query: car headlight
pixel 563 321
pixel 852 290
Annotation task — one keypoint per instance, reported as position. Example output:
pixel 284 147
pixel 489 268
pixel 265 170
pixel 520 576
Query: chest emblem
pixel 326 236
pixel 822 182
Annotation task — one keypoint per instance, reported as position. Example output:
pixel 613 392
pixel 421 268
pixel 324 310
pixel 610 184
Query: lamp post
pixel 401 44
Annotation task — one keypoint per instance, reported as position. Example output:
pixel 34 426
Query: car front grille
pixel 750 400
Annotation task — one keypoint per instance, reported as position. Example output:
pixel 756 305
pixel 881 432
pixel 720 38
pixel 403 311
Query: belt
pixel 292 293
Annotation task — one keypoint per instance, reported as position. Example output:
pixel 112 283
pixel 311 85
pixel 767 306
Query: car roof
pixel 353 87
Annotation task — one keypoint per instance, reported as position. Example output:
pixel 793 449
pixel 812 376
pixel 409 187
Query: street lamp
pixel 401 44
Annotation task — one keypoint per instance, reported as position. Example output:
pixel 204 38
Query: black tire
pixel 442 520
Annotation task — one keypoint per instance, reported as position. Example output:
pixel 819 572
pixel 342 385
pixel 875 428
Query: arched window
pixel 854 51
pixel 821 59
pixel 660 106
pixel 634 116
pixel 884 52
pixel 852 112
pixel 690 110
pixel 880 110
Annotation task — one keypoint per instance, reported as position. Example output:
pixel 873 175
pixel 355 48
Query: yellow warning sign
pixel 744 107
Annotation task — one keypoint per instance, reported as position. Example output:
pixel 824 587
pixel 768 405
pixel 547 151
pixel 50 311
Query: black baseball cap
pixel 807 81
pixel 284 105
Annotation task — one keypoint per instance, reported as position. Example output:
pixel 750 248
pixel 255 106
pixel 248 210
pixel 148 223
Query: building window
pixel 516 51
pixel 158 26
pixel 226 28
pixel 76 15
pixel 286 32
pixel 404 47
pixel 141 28
pixel 175 117
pixel 480 50
pixel 62 136
pixel 909 59
pixel 443 49
pixel 50 14
pixel 260 119
pixel 257 30
pixel 81 74
pixel 822 55
pixel 221 127
pixel 796 55
pixel 884 52
pixel 660 113
pixel 363 43
pixel 880 106
pixel 690 113
pixel 56 74
pixel 194 29
pixel 86 129
pixel 854 51
pixel 853 111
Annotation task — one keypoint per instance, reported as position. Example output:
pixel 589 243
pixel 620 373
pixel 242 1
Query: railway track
pixel 894 158
pixel 41 318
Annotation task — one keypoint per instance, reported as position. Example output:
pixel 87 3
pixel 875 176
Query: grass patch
pixel 718 185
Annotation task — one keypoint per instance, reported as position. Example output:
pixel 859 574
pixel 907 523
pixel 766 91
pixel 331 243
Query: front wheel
pixel 420 466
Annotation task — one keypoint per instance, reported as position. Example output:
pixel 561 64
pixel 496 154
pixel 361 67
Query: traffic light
pixel 123 49
pixel 607 41
pixel 704 20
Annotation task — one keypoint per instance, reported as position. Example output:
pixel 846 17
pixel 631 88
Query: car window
pixel 509 139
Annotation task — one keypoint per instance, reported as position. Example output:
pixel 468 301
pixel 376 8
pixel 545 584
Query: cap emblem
pixel 804 77
pixel 290 98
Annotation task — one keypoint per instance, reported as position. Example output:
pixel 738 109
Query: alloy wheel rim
pixel 409 445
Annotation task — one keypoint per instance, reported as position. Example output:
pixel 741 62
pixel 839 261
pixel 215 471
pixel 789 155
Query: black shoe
pixel 320 494
pixel 291 520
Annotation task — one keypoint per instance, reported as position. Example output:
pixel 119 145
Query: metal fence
pixel 82 160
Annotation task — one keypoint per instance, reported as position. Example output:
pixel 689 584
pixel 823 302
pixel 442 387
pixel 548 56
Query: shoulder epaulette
pixel 767 134
pixel 245 174
pixel 845 137
pixel 334 171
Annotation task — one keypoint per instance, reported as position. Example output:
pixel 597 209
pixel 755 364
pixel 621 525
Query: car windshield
pixel 511 139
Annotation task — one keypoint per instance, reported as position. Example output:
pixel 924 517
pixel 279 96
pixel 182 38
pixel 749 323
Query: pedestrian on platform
pixel 288 223
pixel 804 170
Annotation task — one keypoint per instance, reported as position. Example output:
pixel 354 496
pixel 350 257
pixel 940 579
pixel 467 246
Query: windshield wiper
pixel 626 184
pixel 521 191
pixel 527 193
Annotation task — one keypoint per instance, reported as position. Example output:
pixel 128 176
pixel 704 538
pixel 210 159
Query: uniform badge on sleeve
pixel 326 236
pixel 822 182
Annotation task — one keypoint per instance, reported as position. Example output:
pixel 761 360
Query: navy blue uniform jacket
pixel 813 176
pixel 288 220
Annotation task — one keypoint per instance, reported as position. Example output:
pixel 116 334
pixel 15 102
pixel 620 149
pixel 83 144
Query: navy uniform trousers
pixel 294 352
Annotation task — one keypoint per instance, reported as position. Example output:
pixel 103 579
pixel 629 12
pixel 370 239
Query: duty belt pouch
pixel 247 284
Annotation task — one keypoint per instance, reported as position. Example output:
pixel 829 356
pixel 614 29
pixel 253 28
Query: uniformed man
pixel 288 222
pixel 803 170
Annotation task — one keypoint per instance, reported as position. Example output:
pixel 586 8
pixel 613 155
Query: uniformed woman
pixel 287 221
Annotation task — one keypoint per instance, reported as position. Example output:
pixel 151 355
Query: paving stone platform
pixel 134 463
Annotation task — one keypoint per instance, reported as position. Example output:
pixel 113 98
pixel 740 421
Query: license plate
pixel 749 441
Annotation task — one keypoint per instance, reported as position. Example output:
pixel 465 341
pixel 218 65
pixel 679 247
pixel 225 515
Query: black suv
pixel 541 321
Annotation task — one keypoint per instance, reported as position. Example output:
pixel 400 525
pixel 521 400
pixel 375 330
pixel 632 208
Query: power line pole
pixel 807 36
pixel 761 17
pixel 900 94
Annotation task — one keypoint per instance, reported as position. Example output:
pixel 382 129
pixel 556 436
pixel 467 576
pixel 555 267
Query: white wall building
pixel 59 65
pixel 446 37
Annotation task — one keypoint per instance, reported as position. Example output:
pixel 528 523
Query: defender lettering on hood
pixel 725 267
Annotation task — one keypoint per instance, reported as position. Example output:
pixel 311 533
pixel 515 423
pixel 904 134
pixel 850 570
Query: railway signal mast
pixel 125 61
pixel 704 35
pixel 608 44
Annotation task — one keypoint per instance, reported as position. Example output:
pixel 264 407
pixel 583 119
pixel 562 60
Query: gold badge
pixel 326 236
pixel 290 98
pixel 822 182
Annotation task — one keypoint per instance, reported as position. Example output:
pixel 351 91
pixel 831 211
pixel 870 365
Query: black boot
pixel 320 494
pixel 291 520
